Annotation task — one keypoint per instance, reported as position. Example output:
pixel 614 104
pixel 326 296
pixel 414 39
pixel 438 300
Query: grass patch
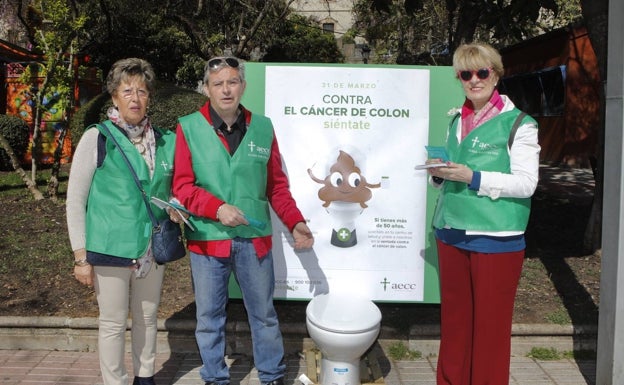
pixel 552 354
pixel 398 351
pixel 36 260
pixel 545 354
pixel 533 270
pixel 37 241
pixel 559 317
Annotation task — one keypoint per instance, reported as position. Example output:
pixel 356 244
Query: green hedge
pixel 167 104
pixel 15 131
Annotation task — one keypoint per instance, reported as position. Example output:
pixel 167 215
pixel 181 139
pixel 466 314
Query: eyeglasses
pixel 130 92
pixel 467 75
pixel 219 61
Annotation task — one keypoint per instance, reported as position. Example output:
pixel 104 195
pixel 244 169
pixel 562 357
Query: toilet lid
pixel 343 314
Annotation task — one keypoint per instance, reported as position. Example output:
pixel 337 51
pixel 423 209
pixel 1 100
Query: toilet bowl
pixel 343 328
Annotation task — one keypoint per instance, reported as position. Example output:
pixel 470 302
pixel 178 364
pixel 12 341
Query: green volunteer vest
pixel 117 220
pixel 483 149
pixel 239 180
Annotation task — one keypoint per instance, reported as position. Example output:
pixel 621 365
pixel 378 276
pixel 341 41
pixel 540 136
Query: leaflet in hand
pixel 178 208
pixel 430 165
pixel 434 152
pixel 255 223
pixel 437 152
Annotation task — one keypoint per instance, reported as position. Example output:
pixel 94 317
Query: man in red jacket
pixel 227 172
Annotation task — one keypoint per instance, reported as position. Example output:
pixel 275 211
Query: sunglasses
pixel 467 75
pixel 219 61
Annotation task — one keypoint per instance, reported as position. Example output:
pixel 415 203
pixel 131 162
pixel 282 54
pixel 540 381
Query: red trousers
pixel 477 301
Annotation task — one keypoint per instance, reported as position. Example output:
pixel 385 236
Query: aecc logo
pixel 398 286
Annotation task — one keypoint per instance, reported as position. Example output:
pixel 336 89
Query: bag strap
pixel 134 175
pixel 514 128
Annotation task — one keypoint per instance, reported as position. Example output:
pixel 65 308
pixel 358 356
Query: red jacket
pixel 202 203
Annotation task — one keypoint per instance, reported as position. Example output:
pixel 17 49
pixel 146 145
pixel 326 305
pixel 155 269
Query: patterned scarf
pixel 141 135
pixel 471 119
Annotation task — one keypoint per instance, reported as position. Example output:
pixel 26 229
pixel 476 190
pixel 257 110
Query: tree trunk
pixel 35 145
pixel 595 13
pixel 32 186
pixel 468 15
pixel 53 182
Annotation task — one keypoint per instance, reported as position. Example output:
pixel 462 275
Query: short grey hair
pixel 124 69
pixel 222 64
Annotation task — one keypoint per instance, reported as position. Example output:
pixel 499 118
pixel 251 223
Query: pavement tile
pixel 19 367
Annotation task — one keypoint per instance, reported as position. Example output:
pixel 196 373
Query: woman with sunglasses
pixel 479 222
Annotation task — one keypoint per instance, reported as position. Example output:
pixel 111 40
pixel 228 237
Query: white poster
pixel 350 138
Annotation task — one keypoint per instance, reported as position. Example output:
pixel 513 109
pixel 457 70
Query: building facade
pixel 337 17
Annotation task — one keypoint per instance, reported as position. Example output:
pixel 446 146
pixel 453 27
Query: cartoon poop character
pixel 344 194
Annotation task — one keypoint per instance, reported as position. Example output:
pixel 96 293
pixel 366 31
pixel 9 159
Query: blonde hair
pixel 475 56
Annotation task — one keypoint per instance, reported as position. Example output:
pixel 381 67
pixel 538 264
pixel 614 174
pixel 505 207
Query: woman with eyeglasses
pixel 108 224
pixel 479 222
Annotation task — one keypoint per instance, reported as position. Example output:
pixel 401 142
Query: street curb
pixel 177 335
pixel 172 324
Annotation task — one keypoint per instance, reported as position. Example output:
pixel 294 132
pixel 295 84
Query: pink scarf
pixel 141 135
pixel 471 120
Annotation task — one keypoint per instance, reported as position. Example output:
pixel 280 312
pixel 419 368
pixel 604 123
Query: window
pixel 540 93
pixel 328 27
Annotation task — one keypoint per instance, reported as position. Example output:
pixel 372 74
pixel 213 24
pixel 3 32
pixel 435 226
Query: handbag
pixel 167 240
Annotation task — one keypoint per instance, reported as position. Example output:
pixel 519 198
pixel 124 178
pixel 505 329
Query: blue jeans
pixel 256 279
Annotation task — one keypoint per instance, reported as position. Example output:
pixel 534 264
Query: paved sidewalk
pixel 42 367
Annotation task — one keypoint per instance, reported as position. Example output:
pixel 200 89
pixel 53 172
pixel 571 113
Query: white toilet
pixel 343 328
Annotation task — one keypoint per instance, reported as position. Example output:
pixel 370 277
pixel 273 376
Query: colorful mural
pixel 20 102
